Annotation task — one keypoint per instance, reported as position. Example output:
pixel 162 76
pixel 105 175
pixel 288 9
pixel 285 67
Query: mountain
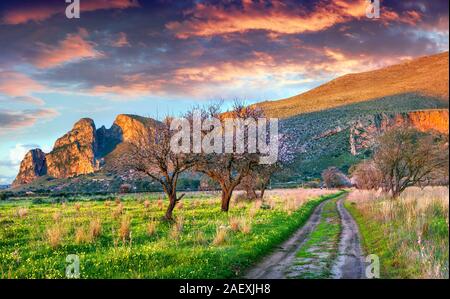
pixel 426 76
pixel 83 149
pixel 335 124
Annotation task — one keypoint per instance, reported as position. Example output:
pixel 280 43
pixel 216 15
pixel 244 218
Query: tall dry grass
pixel 415 225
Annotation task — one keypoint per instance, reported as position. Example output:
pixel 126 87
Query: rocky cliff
pixel 75 152
pixel 364 132
pixel 83 149
pixel 32 166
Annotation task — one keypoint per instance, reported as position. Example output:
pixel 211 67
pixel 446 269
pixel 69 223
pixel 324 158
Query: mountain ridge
pixel 427 75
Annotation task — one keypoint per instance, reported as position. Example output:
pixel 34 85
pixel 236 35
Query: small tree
pixel 334 178
pixel 367 176
pixel 407 157
pixel 227 169
pixel 152 156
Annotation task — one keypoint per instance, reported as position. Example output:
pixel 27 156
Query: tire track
pixel 347 264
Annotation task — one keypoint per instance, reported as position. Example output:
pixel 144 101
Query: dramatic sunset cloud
pixel 208 20
pixel 41 11
pixel 74 47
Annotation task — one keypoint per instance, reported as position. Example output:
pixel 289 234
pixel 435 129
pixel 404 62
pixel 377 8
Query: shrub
pixel 334 178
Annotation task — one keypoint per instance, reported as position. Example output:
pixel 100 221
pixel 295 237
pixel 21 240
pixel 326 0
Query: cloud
pixel 209 20
pixel 73 48
pixel 5 180
pixel 121 41
pixel 18 87
pixel 42 11
pixel 12 120
pixel 18 152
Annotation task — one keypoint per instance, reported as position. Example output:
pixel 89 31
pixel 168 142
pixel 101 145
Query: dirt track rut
pixel 327 246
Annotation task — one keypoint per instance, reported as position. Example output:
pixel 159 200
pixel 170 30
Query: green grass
pixel 321 248
pixel 25 251
pixel 409 235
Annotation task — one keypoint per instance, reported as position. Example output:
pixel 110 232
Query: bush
pixel 334 178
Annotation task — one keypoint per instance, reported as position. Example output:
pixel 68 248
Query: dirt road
pixel 327 246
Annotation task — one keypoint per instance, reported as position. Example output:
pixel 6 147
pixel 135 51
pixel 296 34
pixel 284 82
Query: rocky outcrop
pixel 32 166
pixel 135 129
pixel 364 132
pixel 75 152
pixel 84 148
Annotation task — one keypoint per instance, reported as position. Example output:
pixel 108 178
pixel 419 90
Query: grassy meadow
pixel 124 237
pixel 410 234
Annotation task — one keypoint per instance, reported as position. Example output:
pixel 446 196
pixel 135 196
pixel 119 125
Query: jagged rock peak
pixel 32 166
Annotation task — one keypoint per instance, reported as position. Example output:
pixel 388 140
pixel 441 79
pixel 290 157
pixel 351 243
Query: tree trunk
pixel 251 194
pixel 172 202
pixel 263 190
pixel 226 197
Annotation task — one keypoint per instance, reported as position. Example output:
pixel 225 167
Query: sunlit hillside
pixel 426 75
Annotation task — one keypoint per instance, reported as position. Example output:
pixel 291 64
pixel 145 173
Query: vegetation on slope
pixel 313 154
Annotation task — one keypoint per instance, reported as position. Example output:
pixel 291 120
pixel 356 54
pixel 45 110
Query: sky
pixel 154 58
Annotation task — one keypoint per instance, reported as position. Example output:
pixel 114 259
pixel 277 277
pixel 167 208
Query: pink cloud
pixel 41 12
pixel 19 87
pixel 73 48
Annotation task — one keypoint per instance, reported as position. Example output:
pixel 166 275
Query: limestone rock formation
pixel 84 149
pixel 364 132
pixel 75 152
pixel 32 166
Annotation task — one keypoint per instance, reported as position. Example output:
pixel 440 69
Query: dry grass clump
pixel 57 216
pixel 118 211
pixel 54 235
pixel 241 224
pixel 221 236
pixel 77 206
pixel 177 228
pixel 160 204
pixel 95 228
pixel 245 226
pixel 125 229
pixel 195 203
pixel 199 238
pixel 107 203
pixel 151 227
pixel 22 212
pixel 234 223
pixel 81 236
pixel 146 204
